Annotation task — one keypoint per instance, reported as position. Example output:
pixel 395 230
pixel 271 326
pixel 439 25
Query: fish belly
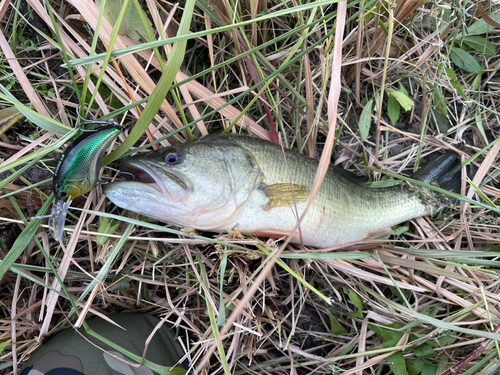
pixel 328 222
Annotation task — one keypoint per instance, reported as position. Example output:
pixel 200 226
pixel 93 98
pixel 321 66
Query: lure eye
pixel 173 158
pixel 62 195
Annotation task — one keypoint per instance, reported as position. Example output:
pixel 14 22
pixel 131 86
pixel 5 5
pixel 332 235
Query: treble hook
pixel 133 176
pixel 91 122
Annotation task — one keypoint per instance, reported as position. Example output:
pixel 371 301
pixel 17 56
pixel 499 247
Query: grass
pixel 380 86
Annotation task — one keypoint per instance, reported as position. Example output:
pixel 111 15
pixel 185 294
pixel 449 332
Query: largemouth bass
pixel 228 182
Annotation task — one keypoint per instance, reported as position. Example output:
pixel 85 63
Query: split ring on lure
pixel 77 171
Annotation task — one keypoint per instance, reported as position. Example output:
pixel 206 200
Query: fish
pixel 77 171
pixel 223 183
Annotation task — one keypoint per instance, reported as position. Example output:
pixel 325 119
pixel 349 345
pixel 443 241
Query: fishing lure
pixel 78 170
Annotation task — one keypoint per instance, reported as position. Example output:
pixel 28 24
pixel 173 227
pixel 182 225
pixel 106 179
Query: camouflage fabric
pixel 75 353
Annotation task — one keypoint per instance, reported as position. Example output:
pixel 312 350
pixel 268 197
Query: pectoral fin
pixel 285 194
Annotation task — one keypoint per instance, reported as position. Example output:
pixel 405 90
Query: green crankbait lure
pixel 78 170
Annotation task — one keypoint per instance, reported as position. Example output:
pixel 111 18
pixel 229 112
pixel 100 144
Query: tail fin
pixel 444 171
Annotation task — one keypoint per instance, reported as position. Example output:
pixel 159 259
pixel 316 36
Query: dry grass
pixel 420 303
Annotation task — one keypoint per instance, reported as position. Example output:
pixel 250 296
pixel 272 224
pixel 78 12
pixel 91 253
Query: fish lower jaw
pixel 156 186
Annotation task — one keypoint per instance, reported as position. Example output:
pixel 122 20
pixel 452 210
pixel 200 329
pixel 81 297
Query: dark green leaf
pixel 441 121
pixel 424 350
pixel 464 60
pixel 393 108
pixel 365 120
pixel 403 99
pixel 390 335
pixel 440 102
pixel 336 327
pixel 446 340
pixel 479 27
pixel 454 81
pixel 496 249
pixel 480 44
pixel 122 284
pixel 397 364
pixel 358 302
pixel 414 366
pixel 429 369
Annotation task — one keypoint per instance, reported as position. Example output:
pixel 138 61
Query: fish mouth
pixel 168 183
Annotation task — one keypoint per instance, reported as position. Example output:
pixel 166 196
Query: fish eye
pixel 173 158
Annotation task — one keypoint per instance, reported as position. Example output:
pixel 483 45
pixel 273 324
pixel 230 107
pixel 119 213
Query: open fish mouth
pixel 150 173
pixel 150 188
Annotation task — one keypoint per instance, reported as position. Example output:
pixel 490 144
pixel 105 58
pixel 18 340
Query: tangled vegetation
pixel 373 86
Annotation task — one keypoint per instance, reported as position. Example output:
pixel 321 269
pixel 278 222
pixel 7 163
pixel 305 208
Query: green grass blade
pixel 161 228
pixel 181 37
pixel 37 154
pixel 297 276
pixel 24 238
pixel 112 40
pixel 36 118
pixel 162 88
pixel 211 314
pixel 163 370
pixel 221 319
pixel 109 262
